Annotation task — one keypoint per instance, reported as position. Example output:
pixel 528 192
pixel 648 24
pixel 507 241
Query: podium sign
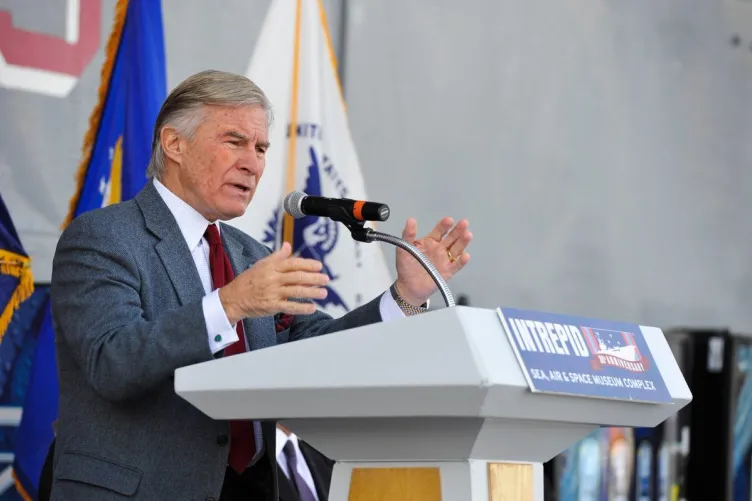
pixel 583 356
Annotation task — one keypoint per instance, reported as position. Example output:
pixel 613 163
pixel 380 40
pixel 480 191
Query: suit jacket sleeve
pixel 319 323
pixel 98 315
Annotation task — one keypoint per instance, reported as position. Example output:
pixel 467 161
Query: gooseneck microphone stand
pixel 362 234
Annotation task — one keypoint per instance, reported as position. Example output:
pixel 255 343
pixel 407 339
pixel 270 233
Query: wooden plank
pixel 395 484
pixel 510 482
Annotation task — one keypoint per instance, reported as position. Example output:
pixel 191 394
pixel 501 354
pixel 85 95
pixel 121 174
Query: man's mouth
pixel 241 187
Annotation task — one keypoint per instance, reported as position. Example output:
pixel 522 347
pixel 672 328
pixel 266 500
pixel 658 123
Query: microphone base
pixel 359 232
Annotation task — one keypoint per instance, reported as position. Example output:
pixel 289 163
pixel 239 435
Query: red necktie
pixel 243 441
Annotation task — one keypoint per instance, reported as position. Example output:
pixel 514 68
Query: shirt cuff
pixel 389 308
pixel 221 333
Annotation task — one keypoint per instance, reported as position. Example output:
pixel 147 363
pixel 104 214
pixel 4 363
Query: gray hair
pixel 184 108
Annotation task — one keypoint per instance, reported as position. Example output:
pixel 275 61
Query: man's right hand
pixel 265 288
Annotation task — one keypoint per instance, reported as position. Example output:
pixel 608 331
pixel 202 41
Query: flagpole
pixel 330 50
pixel 342 45
pixel 293 130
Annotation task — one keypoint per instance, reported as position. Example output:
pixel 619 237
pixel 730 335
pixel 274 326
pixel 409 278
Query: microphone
pixel 299 204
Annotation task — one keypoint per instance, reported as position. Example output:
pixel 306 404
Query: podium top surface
pixel 450 363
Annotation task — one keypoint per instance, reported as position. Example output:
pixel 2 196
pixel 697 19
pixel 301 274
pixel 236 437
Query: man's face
pixel 222 164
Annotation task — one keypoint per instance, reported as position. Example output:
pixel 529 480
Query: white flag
pixel 311 151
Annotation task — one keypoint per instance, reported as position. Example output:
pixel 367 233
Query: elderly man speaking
pixel 155 283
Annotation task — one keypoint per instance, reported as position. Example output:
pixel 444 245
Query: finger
pixel 458 248
pixel 303 292
pixel 440 229
pixel 411 230
pixel 284 251
pixel 456 266
pixel 280 254
pixel 456 233
pixel 463 260
pixel 297 308
pixel 299 264
pixel 304 278
pixel 461 243
pixel 460 263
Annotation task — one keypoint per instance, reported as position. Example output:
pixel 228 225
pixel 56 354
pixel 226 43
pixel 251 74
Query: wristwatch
pixel 406 307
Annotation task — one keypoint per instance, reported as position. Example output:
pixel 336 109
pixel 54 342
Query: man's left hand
pixel 444 248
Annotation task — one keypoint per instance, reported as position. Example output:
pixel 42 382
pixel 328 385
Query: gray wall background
pixel 600 149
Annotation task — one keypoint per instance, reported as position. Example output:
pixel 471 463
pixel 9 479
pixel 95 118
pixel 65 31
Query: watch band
pixel 406 307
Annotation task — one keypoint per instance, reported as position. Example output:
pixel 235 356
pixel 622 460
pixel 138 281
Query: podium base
pixel 472 480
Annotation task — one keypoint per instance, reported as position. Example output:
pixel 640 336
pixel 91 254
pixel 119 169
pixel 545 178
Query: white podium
pixel 430 407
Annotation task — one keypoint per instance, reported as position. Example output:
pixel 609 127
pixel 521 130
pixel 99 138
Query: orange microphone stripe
pixel 358 209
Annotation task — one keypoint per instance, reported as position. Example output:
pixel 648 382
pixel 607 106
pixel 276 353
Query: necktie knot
pixel 212 235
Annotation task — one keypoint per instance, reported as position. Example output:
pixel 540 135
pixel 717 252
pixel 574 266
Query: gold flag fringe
pixel 21 491
pixel 121 9
pixel 17 266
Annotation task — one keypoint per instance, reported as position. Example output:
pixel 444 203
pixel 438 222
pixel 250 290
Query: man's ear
pixel 172 144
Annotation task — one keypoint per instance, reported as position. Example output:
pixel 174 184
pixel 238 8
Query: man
pixel 304 473
pixel 152 284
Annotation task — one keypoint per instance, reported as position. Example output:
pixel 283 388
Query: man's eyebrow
pixel 263 144
pixel 236 135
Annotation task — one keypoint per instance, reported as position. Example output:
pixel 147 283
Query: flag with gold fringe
pixel 117 146
pixel 115 156
pixel 16 279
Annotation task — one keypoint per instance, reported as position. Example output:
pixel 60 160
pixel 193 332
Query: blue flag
pixel 16 280
pixel 116 153
pixel 118 145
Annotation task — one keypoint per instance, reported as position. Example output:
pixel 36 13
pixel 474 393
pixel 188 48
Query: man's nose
pixel 250 163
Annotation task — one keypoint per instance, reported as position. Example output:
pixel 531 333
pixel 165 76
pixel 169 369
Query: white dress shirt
pixel 303 469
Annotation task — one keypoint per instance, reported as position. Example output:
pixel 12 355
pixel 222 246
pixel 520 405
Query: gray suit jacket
pixel 126 302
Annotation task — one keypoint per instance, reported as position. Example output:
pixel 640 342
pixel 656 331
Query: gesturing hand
pixel 266 288
pixel 444 248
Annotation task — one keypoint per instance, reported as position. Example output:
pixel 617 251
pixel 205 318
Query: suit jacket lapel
pixel 259 331
pixel 171 248
pixel 318 469
pixel 177 260
pixel 321 479
pixel 286 490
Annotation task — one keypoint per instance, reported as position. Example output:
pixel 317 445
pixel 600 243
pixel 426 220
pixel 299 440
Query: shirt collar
pixel 282 439
pixel 191 223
